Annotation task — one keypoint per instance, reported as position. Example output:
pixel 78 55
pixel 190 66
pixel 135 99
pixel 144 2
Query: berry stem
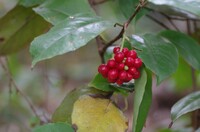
pixel 122 43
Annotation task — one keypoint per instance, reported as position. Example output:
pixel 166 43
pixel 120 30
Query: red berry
pixel 119 82
pixel 136 75
pixel 137 62
pixel 129 61
pixel 111 63
pixel 119 57
pixel 116 50
pixel 132 54
pixel 129 77
pixel 120 66
pixel 132 70
pixel 125 51
pixel 123 75
pixel 111 80
pixel 113 74
pixel 103 69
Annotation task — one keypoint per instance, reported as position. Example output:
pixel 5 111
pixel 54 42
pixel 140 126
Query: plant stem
pixel 141 4
pixel 122 43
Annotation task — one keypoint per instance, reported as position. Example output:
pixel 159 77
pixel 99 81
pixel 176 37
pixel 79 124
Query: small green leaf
pixel 64 110
pixel 158 56
pixel 30 3
pixel 55 11
pixel 18 28
pixel 142 100
pixel 54 127
pixel 67 36
pixel 187 46
pixel 191 6
pixel 187 104
pixel 101 83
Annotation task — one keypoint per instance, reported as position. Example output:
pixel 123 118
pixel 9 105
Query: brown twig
pixel 171 124
pixel 12 82
pixel 124 27
pixel 172 17
pixel 195 120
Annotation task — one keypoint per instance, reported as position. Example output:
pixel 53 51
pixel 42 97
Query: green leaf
pixel 187 46
pixel 18 28
pixel 64 110
pixel 30 3
pixel 158 56
pixel 55 11
pixel 101 83
pixel 67 36
pixel 142 100
pixel 191 6
pixel 187 104
pixel 54 127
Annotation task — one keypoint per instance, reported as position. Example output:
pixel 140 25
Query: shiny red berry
pixel 137 63
pixel 136 75
pixel 132 70
pixel 116 50
pixel 125 51
pixel 129 61
pixel 121 66
pixel 119 57
pixel 123 75
pixel 103 69
pixel 111 63
pixel 132 54
pixel 113 74
pixel 129 77
pixel 112 80
pixel 119 82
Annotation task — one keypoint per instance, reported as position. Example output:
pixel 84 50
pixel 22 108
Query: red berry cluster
pixel 123 67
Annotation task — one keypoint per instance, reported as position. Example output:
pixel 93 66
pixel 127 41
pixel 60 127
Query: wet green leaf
pixel 156 54
pixel 55 11
pixel 191 6
pixel 67 36
pixel 187 46
pixel 142 100
pixel 187 104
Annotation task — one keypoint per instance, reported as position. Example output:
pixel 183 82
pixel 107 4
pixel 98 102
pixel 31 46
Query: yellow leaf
pixel 98 115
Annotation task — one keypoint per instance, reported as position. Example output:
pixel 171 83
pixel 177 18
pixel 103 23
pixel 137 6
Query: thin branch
pixel 188 27
pixel 194 80
pixel 172 23
pixel 167 17
pixel 7 70
pixel 171 124
pixel 158 22
pixel 172 17
pixel 125 26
